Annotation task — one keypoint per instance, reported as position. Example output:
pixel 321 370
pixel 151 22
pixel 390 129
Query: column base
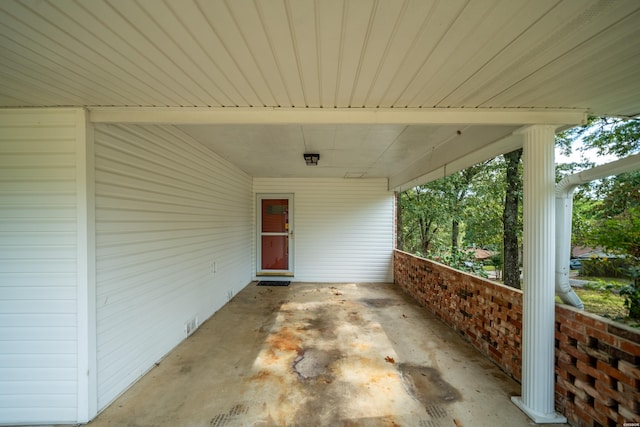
pixel 538 417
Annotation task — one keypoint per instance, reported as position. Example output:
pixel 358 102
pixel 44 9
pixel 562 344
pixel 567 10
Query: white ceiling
pixel 340 56
pixel 351 151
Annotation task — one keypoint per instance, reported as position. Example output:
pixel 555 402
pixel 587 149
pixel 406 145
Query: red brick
pixel 573 370
pixel 592 392
pixel 623 331
pixel 577 353
pixel 440 289
pixel 573 334
pixel 626 399
pixel 571 327
pixel 590 321
pixel 591 412
pixel 630 347
pixel 609 370
pixel 628 369
pixel 594 372
pixel 597 353
pixel 601 335
pixel 631 393
pixel 628 415
pixel 578 392
pixel 562 373
pixel 564 313
pixel 577 417
pixel 606 410
pixel 564 357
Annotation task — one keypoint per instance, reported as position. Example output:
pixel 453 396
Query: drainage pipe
pixel 564 208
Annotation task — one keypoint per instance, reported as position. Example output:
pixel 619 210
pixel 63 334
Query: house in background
pixel 152 161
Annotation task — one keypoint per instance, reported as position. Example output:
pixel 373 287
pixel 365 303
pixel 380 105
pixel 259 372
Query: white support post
pixel 537 399
pixel 87 388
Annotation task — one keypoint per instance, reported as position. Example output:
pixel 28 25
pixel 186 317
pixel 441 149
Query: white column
pixel 537 399
pixel 87 388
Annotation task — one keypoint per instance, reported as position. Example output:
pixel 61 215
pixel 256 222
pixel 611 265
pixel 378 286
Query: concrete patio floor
pixel 320 355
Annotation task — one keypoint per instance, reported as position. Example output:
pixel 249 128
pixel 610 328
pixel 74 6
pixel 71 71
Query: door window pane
pixel 275 216
pixel 275 254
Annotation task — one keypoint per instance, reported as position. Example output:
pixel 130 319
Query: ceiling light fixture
pixel 311 158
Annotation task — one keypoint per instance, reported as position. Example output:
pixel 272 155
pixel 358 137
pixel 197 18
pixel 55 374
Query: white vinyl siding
pixel 343 227
pixel 167 210
pixel 39 287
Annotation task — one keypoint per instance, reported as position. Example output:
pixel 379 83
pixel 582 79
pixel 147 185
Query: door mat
pixel 273 283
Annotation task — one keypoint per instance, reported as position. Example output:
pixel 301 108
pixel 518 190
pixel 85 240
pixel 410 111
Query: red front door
pixel 275 235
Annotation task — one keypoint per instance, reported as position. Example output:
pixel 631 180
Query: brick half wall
pixel 597 372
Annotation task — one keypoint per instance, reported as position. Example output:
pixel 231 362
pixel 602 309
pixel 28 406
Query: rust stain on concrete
pixel 284 340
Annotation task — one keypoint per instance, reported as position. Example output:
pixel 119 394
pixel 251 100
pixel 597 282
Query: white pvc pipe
pixel 564 206
pixel 564 209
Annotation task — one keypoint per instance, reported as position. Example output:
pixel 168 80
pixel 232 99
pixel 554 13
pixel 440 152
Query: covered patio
pixel 314 354
pixel 143 144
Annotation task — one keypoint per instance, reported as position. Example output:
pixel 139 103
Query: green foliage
pixel 497 262
pixel 433 214
pixel 613 136
pixel 620 193
pixel 463 261
pixel 485 203
pixel 620 233
pixel 471 202
pixel 617 229
pixel 607 212
pixel 605 304
pixel 608 136
pixel 424 217
pixel 584 218
pixel 631 294
pixel 604 286
pixel 429 211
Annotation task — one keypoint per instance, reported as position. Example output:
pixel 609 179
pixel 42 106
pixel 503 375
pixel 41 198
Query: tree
pixel 607 136
pixel 461 186
pixel 510 220
pixel 484 206
pixel 585 215
pixel 423 216
pixel 607 213
pixel 617 229
pixel 438 211
pixel 399 233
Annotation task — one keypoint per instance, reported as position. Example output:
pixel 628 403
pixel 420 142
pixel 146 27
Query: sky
pixel 576 156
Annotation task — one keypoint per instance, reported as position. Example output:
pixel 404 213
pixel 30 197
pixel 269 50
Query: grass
pixel 600 296
pixel 605 304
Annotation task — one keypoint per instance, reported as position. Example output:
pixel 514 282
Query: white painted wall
pixel 343 227
pixel 167 209
pixel 44 290
pixel 97 286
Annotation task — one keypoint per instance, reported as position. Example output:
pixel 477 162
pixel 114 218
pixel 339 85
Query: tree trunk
pixel 455 230
pixel 634 308
pixel 511 270
pixel 399 236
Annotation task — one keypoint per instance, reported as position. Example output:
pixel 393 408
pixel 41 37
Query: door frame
pixel 289 272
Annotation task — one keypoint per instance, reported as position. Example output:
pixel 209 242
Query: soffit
pixel 330 54
pixel 350 151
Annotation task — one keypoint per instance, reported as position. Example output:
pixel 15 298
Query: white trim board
pixel 281 115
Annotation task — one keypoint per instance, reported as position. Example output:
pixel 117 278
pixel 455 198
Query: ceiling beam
pixel 388 116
